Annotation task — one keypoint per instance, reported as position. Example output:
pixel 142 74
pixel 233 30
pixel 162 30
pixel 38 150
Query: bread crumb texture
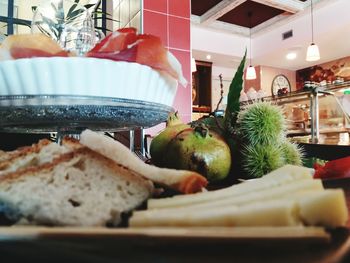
pixel 80 188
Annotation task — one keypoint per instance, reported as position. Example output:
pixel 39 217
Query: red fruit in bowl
pixel 126 45
pixel 151 52
pixel 116 41
pixel 30 46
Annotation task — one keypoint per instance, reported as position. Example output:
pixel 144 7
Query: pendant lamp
pixel 250 74
pixel 313 53
pixel 193 65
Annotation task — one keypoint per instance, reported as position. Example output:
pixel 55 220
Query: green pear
pixel 199 149
pixel 160 142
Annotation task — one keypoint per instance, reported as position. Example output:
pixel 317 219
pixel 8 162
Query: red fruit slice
pixel 31 53
pixel 151 52
pixel 116 41
pixel 128 55
pixel 126 45
pixel 31 45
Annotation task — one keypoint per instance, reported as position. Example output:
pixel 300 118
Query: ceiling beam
pixel 291 6
pixel 270 24
pixel 219 10
pixel 285 18
pixel 222 26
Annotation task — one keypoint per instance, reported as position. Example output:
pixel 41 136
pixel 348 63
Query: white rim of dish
pixel 86 77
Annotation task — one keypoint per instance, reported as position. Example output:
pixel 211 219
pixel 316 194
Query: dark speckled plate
pixel 50 113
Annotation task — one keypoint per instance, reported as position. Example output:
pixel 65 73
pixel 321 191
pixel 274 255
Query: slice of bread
pixel 79 188
pixel 6 155
pixel 180 180
pixel 36 154
pixel 42 152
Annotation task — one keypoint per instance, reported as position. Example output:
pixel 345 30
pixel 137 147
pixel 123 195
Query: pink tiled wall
pixel 170 20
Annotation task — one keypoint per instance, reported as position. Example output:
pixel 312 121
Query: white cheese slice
pixel 270 213
pixel 315 208
pixel 279 177
pixel 326 208
pixel 286 191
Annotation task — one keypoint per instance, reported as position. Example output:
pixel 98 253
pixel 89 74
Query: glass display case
pixel 318 115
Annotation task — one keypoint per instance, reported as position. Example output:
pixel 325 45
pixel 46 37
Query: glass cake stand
pixel 69 115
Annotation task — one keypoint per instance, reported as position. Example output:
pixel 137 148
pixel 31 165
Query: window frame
pixel 11 21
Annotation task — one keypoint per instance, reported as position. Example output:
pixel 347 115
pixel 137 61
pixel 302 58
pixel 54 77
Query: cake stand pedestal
pixel 69 115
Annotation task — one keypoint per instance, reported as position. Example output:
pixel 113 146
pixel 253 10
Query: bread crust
pixel 180 180
pixel 82 150
pixel 71 143
pixel 79 187
pixel 10 157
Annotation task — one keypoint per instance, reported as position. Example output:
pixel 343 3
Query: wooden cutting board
pixel 149 245
pixel 228 234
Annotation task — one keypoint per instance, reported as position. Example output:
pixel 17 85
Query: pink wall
pixel 170 20
pixel 269 73
pixel 253 83
pixel 265 76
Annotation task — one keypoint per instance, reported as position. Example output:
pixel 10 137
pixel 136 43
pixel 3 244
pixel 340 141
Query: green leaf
pixel 75 14
pixel 89 6
pixel 234 93
pixel 71 10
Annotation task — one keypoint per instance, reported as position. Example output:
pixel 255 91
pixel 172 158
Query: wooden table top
pixel 31 244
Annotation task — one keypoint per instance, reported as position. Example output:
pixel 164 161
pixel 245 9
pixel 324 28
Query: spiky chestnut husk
pixel 292 153
pixel 259 159
pixel 261 123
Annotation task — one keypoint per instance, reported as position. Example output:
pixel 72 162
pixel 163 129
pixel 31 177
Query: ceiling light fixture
pixel 209 57
pixel 193 65
pixel 313 52
pixel 291 55
pixel 250 74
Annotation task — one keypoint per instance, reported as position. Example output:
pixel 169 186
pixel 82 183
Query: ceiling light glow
pixel 291 55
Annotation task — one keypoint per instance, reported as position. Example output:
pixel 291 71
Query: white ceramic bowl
pixel 85 77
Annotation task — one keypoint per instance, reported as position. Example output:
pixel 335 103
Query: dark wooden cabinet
pixel 201 87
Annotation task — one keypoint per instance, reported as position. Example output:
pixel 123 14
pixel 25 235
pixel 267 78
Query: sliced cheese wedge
pixel 279 177
pixel 324 208
pixel 287 191
pixel 270 213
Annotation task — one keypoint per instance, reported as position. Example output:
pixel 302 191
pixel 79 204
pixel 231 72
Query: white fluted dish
pixel 85 77
pixel 72 94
